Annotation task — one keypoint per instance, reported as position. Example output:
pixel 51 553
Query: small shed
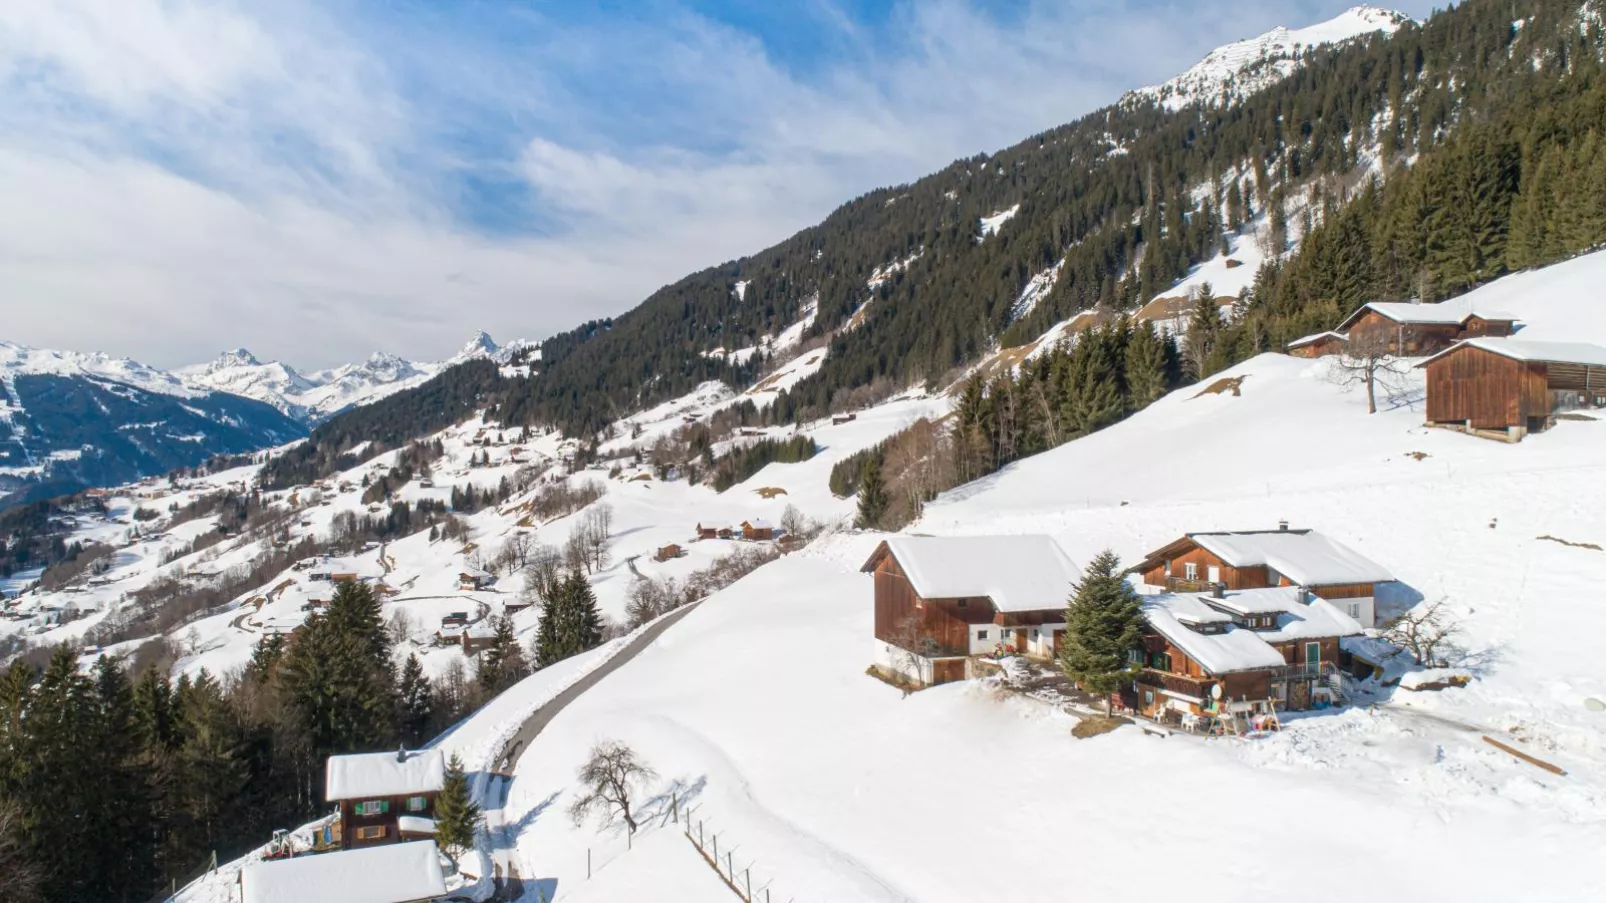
pixel 399 873
pixel 477 639
pixel 1321 344
pixel 839 419
pixel 665 553
pixel 709 532
pixel 1508 388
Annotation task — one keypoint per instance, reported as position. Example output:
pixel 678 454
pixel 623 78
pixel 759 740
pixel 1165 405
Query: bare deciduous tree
pixel 400 626
pixel 1369 360
pixel 516 551
pixel 1427 634
pixel 911 646
pixel 609 775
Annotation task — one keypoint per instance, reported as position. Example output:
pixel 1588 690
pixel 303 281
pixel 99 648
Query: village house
pixel 385 797
pixel 1508 388
pixel 1410 329
pixel 1321 344
pixel 940 600
pixel 515 605
pixel 398 873
pixel 709 532
pixel 1254 559
pixel 1232 655
pixel 477 638
pixel 839 419
pixel 757 530
pixel 473 578
pixel 668 552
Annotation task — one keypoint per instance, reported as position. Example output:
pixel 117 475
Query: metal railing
pixel 1305 671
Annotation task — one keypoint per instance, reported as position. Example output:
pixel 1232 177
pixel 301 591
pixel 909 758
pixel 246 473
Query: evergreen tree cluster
pixel 743 461
pixel 571 623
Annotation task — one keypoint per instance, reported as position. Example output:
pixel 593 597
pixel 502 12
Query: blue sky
pixel 315 181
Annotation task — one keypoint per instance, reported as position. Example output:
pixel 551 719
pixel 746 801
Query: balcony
pixel 1198 688
pixel 1184 585
pixel 1306 671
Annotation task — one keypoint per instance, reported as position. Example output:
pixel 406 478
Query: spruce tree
pixel 457 816
pixel 547 648
pixel 502 663
pixel 416 699
pixel 582 623
pixel 1103 623
pixel 1145 367
pixel 873 499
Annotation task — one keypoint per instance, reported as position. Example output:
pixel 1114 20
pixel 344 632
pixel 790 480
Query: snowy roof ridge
pixel 1316 336
pixel 1533 351
pixel 370 775
pixel 1237 648
pixel 1443 313
pixel 1019 572
pixel 1303 556
pixel 391 873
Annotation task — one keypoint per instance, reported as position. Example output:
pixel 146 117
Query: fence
pixel 740 881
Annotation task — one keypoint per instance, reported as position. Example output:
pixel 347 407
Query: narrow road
pixel 540 718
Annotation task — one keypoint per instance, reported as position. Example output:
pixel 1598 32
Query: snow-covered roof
pixel 1315 620
pixel 371 775
pixel 393 873
pixel 1234 649
pixel 415 824
pixel 1027 572
pixel 1257 601
pixel 759 523
pixel 1444 314
pixel 1303 556
pixel 1316 337
pixel 1532 352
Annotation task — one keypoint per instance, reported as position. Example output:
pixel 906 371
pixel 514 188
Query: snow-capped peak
pixel 21 359
pixel 481 345
pixel 238 357
pixel 1234 71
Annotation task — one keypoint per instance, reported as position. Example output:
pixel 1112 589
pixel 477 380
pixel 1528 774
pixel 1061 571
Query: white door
pixel 1215 574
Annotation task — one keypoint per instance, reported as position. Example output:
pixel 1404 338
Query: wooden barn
pixel 1255 559
pixel 1508 388
pixel 940 600
pixel 1321 344
pixel 668 552
pixel 375 791
pixel 1238 654
pixel 1410 329
pixel 707 532
pixel 758 529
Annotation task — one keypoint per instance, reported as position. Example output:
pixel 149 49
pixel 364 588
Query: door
pixel 1059 638
pixel 1313 655
pixel 1020 640
pixel 946 670
pixel 1215 574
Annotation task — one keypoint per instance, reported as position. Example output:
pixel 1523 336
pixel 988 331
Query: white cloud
pixel 182 177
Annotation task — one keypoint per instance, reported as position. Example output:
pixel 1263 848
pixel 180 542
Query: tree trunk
pixel 1371 389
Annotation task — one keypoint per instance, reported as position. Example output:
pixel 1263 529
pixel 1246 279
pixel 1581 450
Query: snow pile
pixel 1036 289
pixel 1235 71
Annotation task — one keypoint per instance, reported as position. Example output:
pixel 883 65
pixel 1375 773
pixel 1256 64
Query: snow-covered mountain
pixel 315 396
pixel 1234 71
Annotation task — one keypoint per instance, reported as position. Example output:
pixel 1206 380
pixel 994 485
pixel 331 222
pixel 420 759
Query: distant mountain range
pixel 70 420
pixel 315 396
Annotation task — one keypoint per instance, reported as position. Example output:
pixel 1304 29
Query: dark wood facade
pixel 1168 670
pixel 377 824
pixel 1170 567
pixel 1479 389
pixel 1319 346
pixel 940 627
pixel 1413 339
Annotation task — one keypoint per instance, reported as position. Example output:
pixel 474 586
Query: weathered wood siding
pixel 1234 578
pixel 946 622
pixel 1485 390
pixel 351 823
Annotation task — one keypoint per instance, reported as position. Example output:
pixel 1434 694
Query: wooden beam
pixel 1553 769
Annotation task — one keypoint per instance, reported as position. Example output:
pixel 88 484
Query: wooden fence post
pixel 748 874
pixel 674 806
pixel 716 852
pixel 588 863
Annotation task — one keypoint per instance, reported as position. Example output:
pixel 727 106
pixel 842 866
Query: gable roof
pixel 372 775
pixel 1446 313
pixel 1317 337
pixel 1532 351
pixel 1234 649
pixel 1304 556
pixel 1238 648
pixel 392 873
pixel 1026 572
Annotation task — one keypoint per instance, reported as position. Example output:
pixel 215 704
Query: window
pixel 1355 609
pixel 417 803
pixel 1161 661
pixel 963 602
pixel 371 832
pixel 1190 571
pixel 373 807
pixel 1034 633
pixel 1148 697
pixel 981 634
pixel 1135 656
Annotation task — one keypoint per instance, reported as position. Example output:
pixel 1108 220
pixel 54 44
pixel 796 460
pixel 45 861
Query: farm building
pixel 1239 653
pixel 376 790
pixel 758 529
pixel 1409 329
pixel 1254 559
pixel 940 600
pixel 400 873
pixel 1319 345
pixel 709 532
pixel 477 638
pixel 1508 388
pixel 473 578
pixel 668 552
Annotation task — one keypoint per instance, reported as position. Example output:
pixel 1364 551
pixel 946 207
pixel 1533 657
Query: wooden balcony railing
pixel 1305 671
pixel 1176 683
pixel 1184 585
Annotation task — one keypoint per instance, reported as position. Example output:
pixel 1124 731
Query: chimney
pixel 1282 526
pixel 1218 590
pixel 401 753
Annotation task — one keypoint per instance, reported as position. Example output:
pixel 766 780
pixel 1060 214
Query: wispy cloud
pixel 315 181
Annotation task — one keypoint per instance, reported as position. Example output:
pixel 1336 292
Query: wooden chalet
pixel 473 578
pixel 1409 329
pixel 708 532
pixel 515 605
pixel 1508 388
pixel 1321 344
pixel 839 419
pixel 455 619
pixel 476 639
pixel 665 553
pixel 374 791
pixel 1256 559
pixel 398 873
pixel 758 530
pixel 940 600
pixel 1236 654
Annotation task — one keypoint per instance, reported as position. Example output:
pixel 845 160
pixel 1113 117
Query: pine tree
pixel 416 698
pixel 457 816
pixel 1103 623
pixel 502 663
pixel 582 623
pixel 873 499
pixel 1145 367
pixel 547 649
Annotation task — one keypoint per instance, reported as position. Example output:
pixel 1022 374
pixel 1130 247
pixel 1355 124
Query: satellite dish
pixel 1594 705
pixel 1215 691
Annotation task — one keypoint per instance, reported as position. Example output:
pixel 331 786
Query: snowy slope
pixel 17 360
pixel 1237 70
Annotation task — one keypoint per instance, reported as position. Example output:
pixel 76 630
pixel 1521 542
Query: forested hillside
pixel 1126 199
